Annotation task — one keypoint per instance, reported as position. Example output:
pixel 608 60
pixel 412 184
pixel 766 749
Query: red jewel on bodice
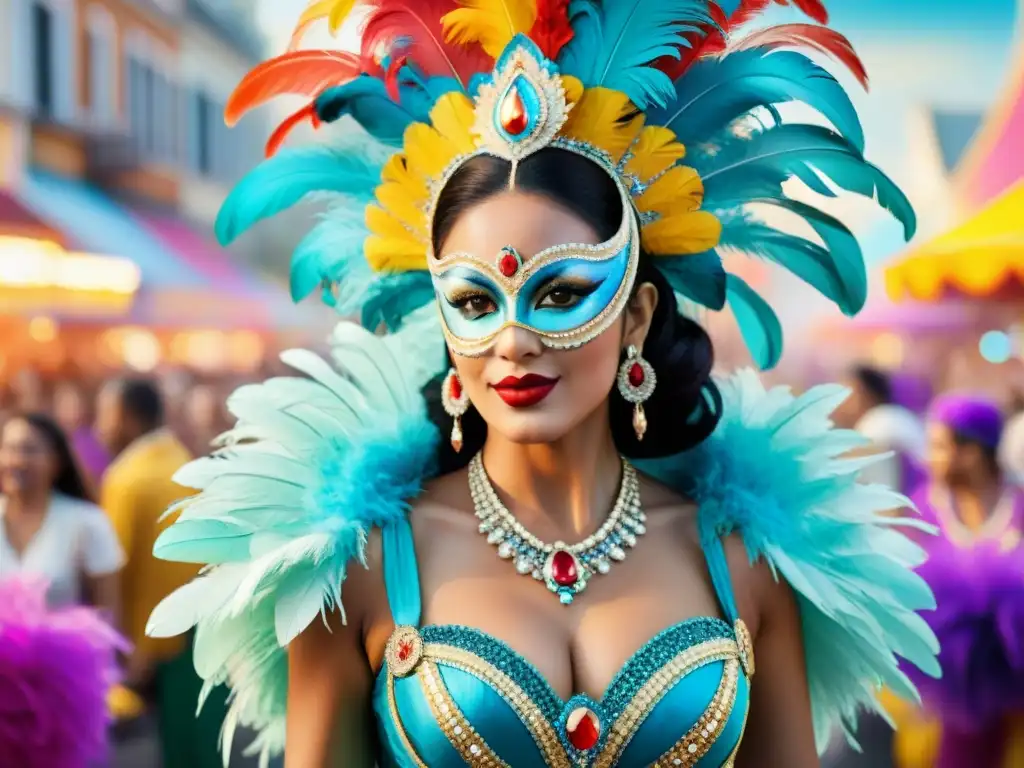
pixel 455 388
pixel 563 569
pixel 512 113
pixel 404 650
pixel 636 375
pixel 583 729
pixel 508 264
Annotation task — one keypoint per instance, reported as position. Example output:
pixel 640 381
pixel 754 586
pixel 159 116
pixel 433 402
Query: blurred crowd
pixel 86 475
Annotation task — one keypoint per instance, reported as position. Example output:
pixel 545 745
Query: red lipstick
pixel 525 391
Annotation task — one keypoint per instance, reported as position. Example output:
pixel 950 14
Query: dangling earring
pixel 636 384
pixel 456 403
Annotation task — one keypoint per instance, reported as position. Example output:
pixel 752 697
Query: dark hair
pixel 876 383
pixel 141 399
pixel 686 404
pixel 69 481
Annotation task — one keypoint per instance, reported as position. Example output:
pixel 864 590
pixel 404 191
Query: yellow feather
pixel 339 13
pixel 394 197
pixel 678 190
pixel 492 23
pixel 315 10
pixel 427 151
pixel 390 246
pixel 573 88
pixel 453 117
pixel 397 169
pixel 600 118
pixel 681 234
pixel 655 152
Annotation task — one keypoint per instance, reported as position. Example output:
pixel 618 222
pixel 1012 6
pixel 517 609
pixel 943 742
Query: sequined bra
pixel 450 696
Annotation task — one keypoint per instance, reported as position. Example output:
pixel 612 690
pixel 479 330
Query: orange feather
pixel 299 73
pixel 280 133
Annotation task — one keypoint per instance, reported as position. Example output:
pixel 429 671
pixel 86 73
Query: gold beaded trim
pixel 698 741
pixel 627 724
pixel 456 727
pixel 397 721
pixel 746 645
pixel 542 731
pixel 731 761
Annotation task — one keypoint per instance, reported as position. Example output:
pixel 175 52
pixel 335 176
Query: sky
pixel 920 54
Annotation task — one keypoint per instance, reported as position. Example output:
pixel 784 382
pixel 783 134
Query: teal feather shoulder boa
pixel 777 472
pixel 314 463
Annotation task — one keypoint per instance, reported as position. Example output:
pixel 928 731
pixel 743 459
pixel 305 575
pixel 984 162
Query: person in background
pixel 71 412
pixel 871 410
pixel 973 716
pixel 49 527
pixel 137 489
pixel 203 415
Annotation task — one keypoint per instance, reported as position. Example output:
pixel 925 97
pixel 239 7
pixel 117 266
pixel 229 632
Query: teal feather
pixel 282 519
pixel 776 473
pixel 789 149
pixel 367 100
pixel 761 329
pixel 631 35
pixel 331 257
pixel 281 181
pixel 836 270
pixel 698 277
pixel 717 90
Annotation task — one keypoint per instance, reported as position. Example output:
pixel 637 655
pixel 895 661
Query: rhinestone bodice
pixel 450 696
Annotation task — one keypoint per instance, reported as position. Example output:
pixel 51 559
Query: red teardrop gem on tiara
pixel 508 264
pixel 512 113
pixel 563 569
pixel 583 729
pixel 455 388
pixel 636 375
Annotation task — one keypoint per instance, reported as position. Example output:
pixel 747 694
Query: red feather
pixel 815 9
pixel 391 77
pixel 417 23
pixel 299 73
pixel 821 39
pixel 280 133
pixel 551 29
pixel 710 41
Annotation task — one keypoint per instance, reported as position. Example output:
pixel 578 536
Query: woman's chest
pixel 52 551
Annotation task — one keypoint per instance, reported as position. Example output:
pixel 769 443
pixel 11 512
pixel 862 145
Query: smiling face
pixel 525 389
pixel 28 461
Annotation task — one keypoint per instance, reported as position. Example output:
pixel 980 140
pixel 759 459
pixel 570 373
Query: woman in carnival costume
pixel 574 558
pixel 974 716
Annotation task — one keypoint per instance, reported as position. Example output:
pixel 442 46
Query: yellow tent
pixel 977 259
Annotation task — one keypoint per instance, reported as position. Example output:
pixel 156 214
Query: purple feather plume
pixel 55 670
pixel 980 625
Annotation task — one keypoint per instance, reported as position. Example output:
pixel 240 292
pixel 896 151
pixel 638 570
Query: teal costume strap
pixel 401 574
pixel 721 579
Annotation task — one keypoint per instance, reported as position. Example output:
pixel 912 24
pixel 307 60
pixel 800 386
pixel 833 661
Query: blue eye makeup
pixel 566 294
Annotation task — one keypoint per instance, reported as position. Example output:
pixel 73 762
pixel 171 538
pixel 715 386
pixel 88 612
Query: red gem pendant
pixel 583 729
pixel 404 650
pixel 636 375
pixel 455 388
pixel 508 262
pixel 563 569
pixel 512 113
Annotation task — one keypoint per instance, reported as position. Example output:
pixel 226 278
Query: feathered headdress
pixel 681 108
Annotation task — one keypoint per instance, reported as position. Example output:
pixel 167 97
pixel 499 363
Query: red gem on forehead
pixel 512 113
pixel 508 262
